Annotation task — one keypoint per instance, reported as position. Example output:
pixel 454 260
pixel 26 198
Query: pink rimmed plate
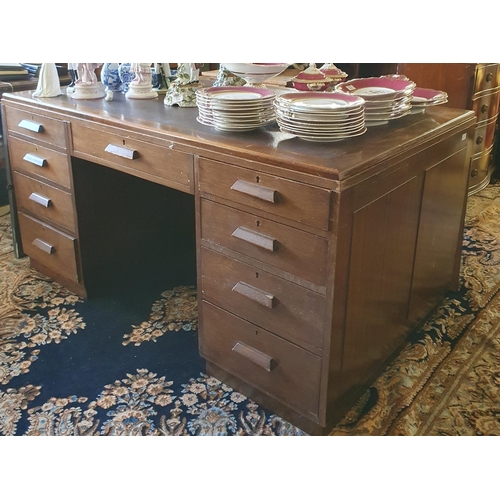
pixel 239 93
pixel 374 88
pixel 319 101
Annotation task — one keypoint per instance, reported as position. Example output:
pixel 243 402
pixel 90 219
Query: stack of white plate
pixel 320 116
pixel 386 98
pixel 423 98
pixel 235 109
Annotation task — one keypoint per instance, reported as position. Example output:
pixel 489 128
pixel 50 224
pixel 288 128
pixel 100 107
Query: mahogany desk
pixel 314 260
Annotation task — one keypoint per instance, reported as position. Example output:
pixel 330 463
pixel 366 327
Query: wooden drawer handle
pixel 255 294
pixel 484 108
pixel 255 356
pixel 45 247
pixel 40 199
pixel 252 189
pixel 36 160
pixel 257 239
pixel 129 154
pixel 32 126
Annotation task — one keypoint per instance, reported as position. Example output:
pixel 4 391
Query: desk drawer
pixel 36 126
pixel 40 161
pixel 119 151
pixel 484 135
pixel 45 201
pixel 48 246
pixel 293 200
pixel 272 365
pixel 291 250
pixel 288 310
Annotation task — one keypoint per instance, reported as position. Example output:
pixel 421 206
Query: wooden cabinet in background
pixel 469 86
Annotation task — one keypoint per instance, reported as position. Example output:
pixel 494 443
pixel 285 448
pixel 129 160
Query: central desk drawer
pixel 39 127
pixel 259 358
pixel 45 201
pixel 299 202
pixel 286 309
pixel 40 161
pixel 133 156
pixel 48 246
pixel 288 249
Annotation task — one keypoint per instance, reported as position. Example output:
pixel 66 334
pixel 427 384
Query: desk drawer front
pixel 292 200
pixel 40 161
pixel 288 310
pixel 48 246
pixel 44 201
pixel 174 167
pixel 39 127
pixel 291 250
pixel 275 366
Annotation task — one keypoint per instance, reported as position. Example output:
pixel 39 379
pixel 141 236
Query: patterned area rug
pixel 131 367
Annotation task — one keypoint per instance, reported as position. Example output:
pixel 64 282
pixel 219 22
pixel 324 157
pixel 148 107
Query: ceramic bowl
pixel 255 73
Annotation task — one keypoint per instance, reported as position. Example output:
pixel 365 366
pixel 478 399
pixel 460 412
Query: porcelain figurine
pixel 227 79
pixel 182 90
pixel 48 81
pixel 126 75
pixel 141 86
pixel 87 86
pixel 74 77
pixel 161 77
pixel 110 79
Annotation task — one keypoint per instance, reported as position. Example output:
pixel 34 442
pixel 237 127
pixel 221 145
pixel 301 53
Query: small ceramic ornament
pixel 162 75
pixel 227 79
pixel 87 86
pixel 182 90
pixel 141 86
pixel 48 82
pixel 110 79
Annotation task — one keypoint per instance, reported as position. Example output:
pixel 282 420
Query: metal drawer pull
pixel 255 294
pixel 33 126
pixel 43 246
pixel 129 154
pixel 36 160
pixel 40 199
pixel 252 189
pixel 257 239
pixel 255 356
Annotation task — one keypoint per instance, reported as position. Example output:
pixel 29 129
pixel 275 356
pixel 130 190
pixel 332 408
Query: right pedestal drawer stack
pixel 263 261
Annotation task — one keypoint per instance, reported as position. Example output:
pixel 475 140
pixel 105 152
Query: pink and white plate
pixel 320 116
pixel 235 109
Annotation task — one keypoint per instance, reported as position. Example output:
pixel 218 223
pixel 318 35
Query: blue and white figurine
pixel 111 79
pixel 126 75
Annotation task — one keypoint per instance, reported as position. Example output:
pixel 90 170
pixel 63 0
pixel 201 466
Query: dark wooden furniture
pixel 314 260
pixel 469 86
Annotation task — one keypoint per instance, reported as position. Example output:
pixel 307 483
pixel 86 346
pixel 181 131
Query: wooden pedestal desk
pixel 314 260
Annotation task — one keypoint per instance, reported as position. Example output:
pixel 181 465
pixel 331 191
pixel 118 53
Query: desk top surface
pixel 335 160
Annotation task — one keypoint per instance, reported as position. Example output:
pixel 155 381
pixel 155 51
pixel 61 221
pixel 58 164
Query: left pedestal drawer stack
pixel 43 186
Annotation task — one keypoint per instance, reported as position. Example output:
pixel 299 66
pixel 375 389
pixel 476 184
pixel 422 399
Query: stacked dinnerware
pixel 235 109
pixel 423 98
pixel 320 116
pixel 385 98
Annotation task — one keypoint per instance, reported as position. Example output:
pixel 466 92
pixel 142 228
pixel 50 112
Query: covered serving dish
pixel 311 79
